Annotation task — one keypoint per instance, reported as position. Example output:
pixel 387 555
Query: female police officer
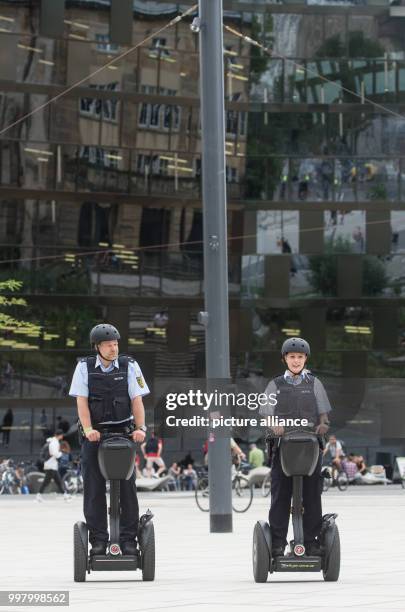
pixel 299 395
pixel 109 390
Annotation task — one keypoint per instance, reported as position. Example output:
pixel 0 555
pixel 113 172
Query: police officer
pixel 299 395
pixel 109 389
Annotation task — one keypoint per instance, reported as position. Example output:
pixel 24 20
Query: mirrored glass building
pixel 101 210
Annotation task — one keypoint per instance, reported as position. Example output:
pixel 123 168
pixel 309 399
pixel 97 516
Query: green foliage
pixel 6 303
pixel 58 278
pixel 378 192
pixel 323 275
pixel 259 59
pixel 358 46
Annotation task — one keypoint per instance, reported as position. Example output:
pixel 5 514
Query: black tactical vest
pixel 296 401
pixel 109 400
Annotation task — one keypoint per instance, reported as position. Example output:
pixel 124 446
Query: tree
pixel 323 275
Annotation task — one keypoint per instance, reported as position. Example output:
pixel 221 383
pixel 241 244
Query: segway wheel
pixel 332 555
pixel 148 555
pixel 80 551
pixel 261 558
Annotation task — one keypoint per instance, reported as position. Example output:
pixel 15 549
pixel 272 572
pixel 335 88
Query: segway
pixel 299 454
pixel 116 458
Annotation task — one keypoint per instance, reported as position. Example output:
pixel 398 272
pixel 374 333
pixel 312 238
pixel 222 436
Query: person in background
pixel 256 456
pixel 7 426
pixel 237 453
pixel 334 450
pixel 65 458
pixel 174 473
pixel 51 466
pixel 189 477
pixel 152 451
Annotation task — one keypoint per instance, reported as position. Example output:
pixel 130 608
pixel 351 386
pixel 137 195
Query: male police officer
pixel 109 390
pixel 299 395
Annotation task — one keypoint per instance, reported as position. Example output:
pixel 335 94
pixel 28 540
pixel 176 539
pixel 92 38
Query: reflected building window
pixel 104 45
pixel 236 120
pixel 95 108
pixel 152 164
pixel 163 116
pixel 232 175
pixel 94 224
pixel 100 157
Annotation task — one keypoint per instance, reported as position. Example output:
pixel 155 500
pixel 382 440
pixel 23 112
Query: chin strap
pixel 105 358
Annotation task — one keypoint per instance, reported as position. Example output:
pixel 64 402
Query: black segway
pixel 299 454
pixel 116 458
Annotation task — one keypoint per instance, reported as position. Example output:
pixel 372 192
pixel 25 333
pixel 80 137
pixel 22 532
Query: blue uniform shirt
pixel 136 382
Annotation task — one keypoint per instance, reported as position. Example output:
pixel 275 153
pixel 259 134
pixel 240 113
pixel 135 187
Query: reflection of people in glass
pixel 326 176
pixel 286 248
pixel 7 425
pixel 358 238
pixel 304 175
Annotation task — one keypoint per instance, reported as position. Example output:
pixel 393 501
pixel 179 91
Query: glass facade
pixel 100 193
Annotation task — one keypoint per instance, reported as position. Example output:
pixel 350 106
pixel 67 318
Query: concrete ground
pixel 201 571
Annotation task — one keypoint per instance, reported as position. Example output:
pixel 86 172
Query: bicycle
pixel 10 483
pixel 73 480
pixel 266 485
pixel 332 477
pixel 242 492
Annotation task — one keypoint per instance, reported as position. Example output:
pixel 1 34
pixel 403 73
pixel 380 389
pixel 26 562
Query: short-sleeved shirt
pixel 335 450
pixel 322 400
pixel 136 382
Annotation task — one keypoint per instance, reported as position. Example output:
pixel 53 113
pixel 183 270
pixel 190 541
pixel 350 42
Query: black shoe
pixel 98 548
pixel 128 547
pixel 277 551
pixel 313 549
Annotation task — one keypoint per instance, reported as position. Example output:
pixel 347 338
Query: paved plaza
pixel 208 572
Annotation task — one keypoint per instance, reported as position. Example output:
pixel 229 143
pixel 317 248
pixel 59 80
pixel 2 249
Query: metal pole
pixel 216 317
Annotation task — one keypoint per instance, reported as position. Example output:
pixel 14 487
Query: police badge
pixel 140 381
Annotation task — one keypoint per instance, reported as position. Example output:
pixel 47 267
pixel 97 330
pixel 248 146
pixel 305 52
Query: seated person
pixel 350 468
pixel 333 452
pixel 361 465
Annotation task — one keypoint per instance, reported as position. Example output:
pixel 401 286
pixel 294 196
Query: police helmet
pixel 103 332
pixel 295 345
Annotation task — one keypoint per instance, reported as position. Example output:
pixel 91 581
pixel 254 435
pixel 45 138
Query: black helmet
pixel 103 332
pixel 295 345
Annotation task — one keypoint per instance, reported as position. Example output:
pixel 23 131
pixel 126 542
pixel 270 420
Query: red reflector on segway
pixel 115 549
pixel 299 550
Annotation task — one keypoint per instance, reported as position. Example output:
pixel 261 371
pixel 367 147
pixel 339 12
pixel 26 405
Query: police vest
pixel 109 400
pixel 296 401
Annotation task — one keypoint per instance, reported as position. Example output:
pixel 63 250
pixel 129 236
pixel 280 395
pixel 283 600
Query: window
pixel 158 48
pixel 236 120
pixel 231 174
pixel 99 157
pixel 166 116
pixel 155 165
pixel 104 45
pixel 96 108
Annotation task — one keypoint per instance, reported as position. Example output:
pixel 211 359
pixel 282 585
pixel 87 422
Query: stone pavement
pixel 209 572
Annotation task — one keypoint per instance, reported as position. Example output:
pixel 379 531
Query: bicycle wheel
pixel 342 481
pixel 70 483
pixel 266 486
pixel 202 494
pixel 242 494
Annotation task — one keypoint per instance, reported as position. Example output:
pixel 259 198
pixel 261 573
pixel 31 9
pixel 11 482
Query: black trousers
pixel 51 475
pixel 94 499
pixel 281 492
